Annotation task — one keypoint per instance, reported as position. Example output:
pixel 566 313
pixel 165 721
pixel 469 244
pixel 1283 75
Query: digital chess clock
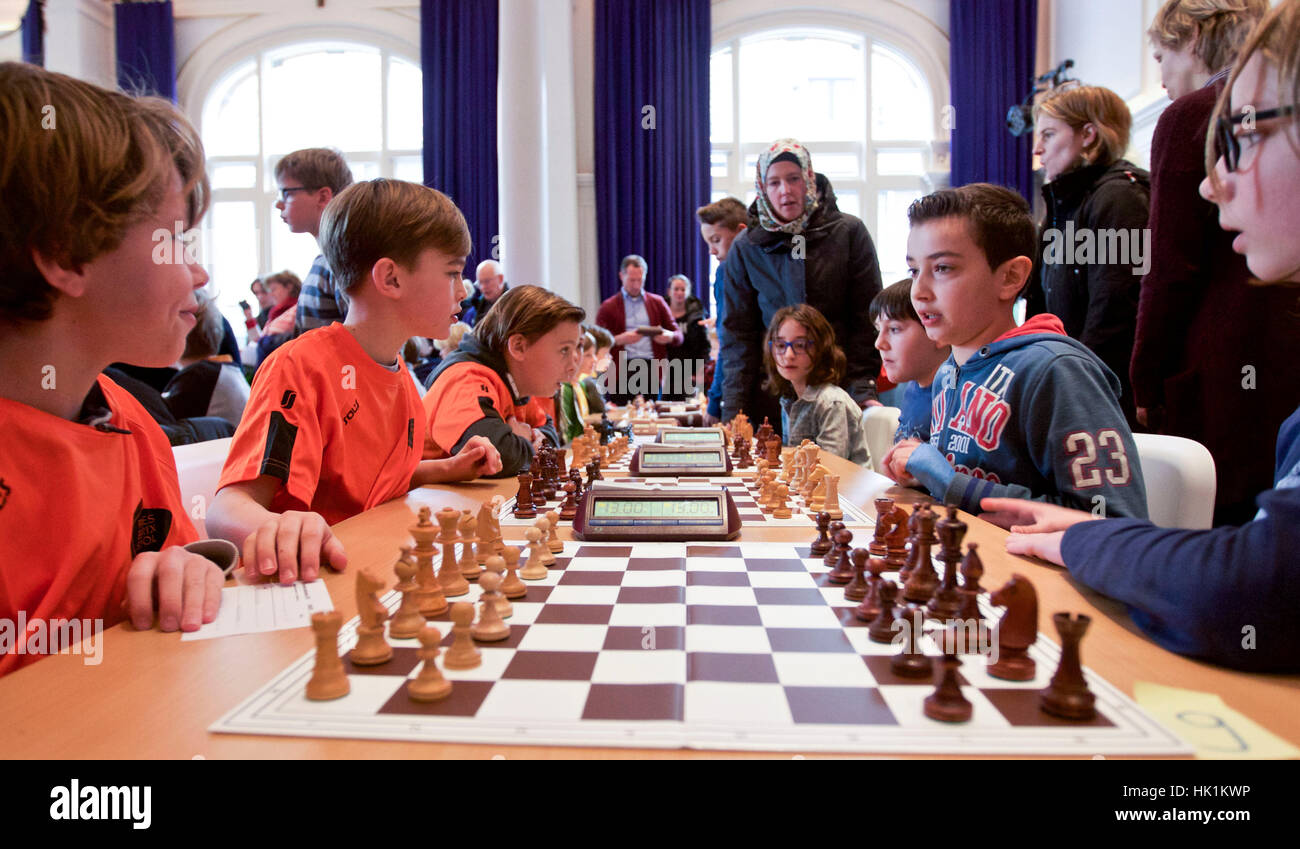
pixel 653 460
pixel 651 515
pixel 691 436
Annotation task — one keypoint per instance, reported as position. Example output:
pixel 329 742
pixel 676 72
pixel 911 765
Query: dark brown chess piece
pixel 857 588
pixel 911 662
pixel 569 509
pixel 946 703
pixel 843 571
pixel 882 628
pixel 877 544
pixel 822 545
pixel 913 549
pixel 923 581
pixel 575 477
pixel 869 609
pixel 1068 695
pixel 1016 631
pixel 832 558
pixel 946 601
pixel 896 537
pixel 744 460
pixel 593 474
pixel 524 508
pixel 972 632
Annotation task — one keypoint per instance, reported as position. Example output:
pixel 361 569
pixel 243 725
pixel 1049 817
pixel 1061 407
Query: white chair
pixel 1179 476
pixel 881 424
pixel 199 468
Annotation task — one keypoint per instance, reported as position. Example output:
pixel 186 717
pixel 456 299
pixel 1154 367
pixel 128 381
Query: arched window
pixel 860 105
pixel 363 100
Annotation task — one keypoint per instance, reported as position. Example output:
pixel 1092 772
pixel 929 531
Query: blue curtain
pixel 649 182
pixel 458 54
pixel 146 48
pixel 992 67
pixel 34 34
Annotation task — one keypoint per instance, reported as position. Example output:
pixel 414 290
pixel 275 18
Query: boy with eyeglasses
pixel 308 180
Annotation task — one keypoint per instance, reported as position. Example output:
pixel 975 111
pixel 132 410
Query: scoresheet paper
pixel 256 608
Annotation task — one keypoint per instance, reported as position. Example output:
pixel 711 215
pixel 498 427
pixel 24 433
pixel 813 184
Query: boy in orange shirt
pixel 488 387
pixel 97 190
pixel 333 425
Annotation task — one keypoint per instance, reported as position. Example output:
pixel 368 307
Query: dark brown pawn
pixel 857 588
pixel 593 473
pixel 843 571
pixel 832 558
pixel 946 703
pixel 524 508
pixel 575 477
pixel 911 662
pixel 1068 695
pixel 869 609
pixel 882 627
pixel 569 509
pixel 822 545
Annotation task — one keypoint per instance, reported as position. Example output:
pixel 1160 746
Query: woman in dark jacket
pixel 1095 246
pixel 686 361
pixel 798 248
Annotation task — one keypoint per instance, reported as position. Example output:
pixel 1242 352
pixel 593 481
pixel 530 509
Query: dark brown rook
pixel 1068 695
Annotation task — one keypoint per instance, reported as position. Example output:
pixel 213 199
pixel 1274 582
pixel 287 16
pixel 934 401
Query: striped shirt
pixel 319 303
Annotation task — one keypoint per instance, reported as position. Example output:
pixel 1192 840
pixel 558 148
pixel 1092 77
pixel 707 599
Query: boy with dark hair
pixel 1018 411
pixel 308 180
pixel 910 357
pixel 94 269
pixel 334 425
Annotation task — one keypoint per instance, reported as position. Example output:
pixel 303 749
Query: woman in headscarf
pixel 798 248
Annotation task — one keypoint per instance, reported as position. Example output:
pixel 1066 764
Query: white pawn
pixel 546 524
pixel 497 565
pixel 535 568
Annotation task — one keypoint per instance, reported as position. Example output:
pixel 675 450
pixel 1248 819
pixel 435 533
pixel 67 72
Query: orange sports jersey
pixel 340 431
pixel 469 398
pixel 77 504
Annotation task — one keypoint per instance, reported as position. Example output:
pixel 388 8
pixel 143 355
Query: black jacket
pixel 838 274
pixel 1096 297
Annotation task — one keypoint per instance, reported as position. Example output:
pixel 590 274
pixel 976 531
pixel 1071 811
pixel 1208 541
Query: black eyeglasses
pixel 1227 145
pixel 288 191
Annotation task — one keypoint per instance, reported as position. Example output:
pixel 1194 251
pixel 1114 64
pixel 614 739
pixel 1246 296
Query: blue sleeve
pixel 1228 595
pixel 715 390
pixel 948 485
pixel 741 333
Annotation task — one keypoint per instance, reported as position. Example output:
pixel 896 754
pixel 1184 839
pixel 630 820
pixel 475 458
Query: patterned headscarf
pixel 767 216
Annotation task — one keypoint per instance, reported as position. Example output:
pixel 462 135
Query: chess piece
pixel 971 632
pixel 831 498
pixel 554 544
pixel 913 549
pixel 782 499
pixel 593 474
pixel 817 499
pixel 486 520
pixel 857 588
pixel 869 609
pixel 497 564
pixel 832 558
pixel 408 620
pixel 371 648
pixel 424 532
pixel 814 478
pixel 884 506
pixel 822 545
pixel 896 538
pixel 524 508
pixel 569 509
pixel 787 468
pixel 512 587
pixel 469 567
pixel 328 680
pixel 490 627
pixel 534 569
pixel 773 450
pixel 453 583
pixel 1068 695
pixel 576 477
pixel 882 628
pixel 543 526
pixel 923 581
pixel 946 703
pixel 842 573
pixel 462 654
pixel 1016 631
pixel 911 662
pixel 429 685
pixel 946 601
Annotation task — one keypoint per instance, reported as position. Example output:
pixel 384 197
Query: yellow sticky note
pixel 1206 722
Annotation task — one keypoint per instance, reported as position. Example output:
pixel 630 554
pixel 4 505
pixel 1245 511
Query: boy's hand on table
pixel 293 544
pixel 187 587
pixel 1043 546
pixel 1030 517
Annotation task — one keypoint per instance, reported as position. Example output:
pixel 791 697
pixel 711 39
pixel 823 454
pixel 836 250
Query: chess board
pixel 741 646
pixel 743 491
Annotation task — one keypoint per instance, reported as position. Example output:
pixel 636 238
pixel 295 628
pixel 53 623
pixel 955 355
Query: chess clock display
pixel 669 460
pixel 691 436
pixel 652 515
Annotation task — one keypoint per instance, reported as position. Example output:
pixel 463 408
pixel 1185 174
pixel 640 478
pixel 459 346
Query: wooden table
pixel 154 696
